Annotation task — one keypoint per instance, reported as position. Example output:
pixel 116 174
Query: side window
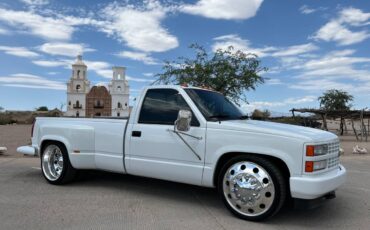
pixel 161 106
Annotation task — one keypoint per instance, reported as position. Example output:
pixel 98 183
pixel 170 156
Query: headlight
pixel 316 150
pixel 312 166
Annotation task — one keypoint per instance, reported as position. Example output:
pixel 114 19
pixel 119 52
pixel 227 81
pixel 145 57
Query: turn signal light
pixel 316 150
pixel 310 151
pixel 309 166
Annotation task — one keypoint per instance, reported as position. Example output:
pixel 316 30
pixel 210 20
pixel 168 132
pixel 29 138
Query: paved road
pixel 109 201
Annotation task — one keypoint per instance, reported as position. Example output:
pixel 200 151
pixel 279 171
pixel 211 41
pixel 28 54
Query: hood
pixel 273 128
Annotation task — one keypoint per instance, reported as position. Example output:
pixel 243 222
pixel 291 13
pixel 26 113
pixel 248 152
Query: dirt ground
pixel 100 200
pixel 13 136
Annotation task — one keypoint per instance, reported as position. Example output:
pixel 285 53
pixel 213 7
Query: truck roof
pixel 176 87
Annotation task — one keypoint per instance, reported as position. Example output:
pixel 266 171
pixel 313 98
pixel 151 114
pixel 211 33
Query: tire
pixel 252 187
pixel 55 165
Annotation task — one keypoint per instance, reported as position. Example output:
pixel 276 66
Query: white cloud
pixel 275 104
pixel 50 63
pixel 139 28
pixel 307 10
pixel 148 74
pixel 35 2
pixel 65 49
pixel 223 42
pixel 103 69
pixel 223 9
pixel 335 70
pixel 354 16
pixel 138 56
pixel 19 51
pixel 31 81
pixel 321 85
pixel 338 30
pixel 295 50
pixel 273 81
pixel 335 64
pixel 129 78
pixel 45 27
pixel 4 31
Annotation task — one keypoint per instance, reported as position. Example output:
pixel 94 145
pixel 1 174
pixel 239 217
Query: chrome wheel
pixel 52 162
pixel 248 188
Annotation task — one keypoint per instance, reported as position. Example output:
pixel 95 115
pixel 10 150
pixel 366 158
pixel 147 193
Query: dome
pixel 79 60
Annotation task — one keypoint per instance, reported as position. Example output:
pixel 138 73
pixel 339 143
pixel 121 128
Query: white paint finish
pixel 165 155
pixel 26 150
pixel 177 171
pixel 109 145
pixel 311 187
pixel 79 134
pixel 162 151
pixel 161 154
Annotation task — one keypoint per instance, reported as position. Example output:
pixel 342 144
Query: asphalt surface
pixel 99 200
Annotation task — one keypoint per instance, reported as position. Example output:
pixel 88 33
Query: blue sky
pixel 308 46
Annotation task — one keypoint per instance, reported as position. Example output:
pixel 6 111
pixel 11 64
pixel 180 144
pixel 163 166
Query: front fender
pixel 289 150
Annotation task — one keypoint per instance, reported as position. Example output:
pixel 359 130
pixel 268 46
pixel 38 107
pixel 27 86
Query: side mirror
pixel 183 121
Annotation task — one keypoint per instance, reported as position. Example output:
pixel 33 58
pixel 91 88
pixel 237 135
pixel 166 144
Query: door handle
pixel 136 133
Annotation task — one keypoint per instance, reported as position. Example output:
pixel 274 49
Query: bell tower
pixel 77 88
pixel 120 91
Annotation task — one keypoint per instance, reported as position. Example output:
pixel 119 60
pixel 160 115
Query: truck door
pixel 155 150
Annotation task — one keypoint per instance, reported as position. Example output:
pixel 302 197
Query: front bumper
pixel 311 187
pixel 28 150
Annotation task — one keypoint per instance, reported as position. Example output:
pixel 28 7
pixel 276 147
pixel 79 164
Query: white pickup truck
pixel 196 136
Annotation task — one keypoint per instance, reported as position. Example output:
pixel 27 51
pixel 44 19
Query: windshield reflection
pixel 214 106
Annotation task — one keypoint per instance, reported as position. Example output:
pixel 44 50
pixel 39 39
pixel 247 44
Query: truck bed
pixel 92 143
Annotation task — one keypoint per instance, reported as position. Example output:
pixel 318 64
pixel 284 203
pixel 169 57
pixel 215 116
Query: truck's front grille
pixel 333 148
pixel 333 162
pixel 333 154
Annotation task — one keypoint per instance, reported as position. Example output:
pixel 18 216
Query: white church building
pixel 83 101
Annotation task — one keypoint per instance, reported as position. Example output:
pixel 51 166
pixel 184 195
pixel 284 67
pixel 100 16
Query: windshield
pixel 213 105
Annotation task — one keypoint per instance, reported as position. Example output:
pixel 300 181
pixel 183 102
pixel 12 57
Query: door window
pixel 161 106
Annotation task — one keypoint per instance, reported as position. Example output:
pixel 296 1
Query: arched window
pixel 83 73
pixel 119 88
pixel 77 114
pixel 126 104
pixel 69 103
pixel 118 76
pixel 119 105
pixel 78 73
pixel 77 105
pixel 78 87
pixel 118 114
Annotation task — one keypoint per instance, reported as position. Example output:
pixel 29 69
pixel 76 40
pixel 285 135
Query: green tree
pixel 260 115
pixel 42 108
pixel 335 100
pixel 226 71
